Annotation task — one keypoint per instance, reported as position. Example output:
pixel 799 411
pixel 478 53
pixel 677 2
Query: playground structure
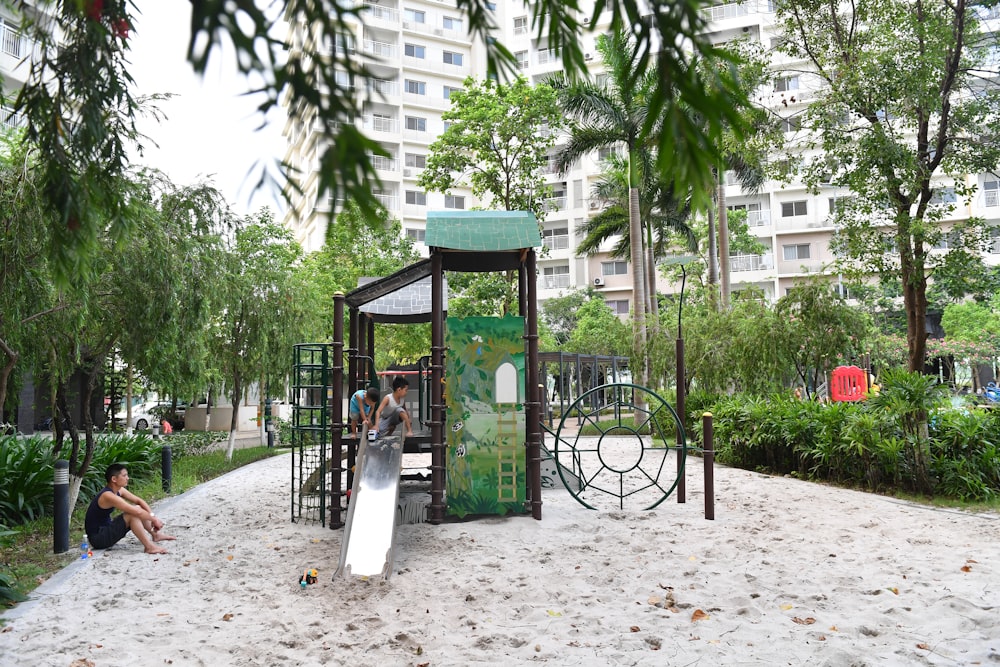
pixel 479 405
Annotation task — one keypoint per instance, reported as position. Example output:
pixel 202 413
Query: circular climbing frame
pixel 617 447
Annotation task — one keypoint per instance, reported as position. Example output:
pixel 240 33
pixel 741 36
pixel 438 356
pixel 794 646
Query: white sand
pixel 789 573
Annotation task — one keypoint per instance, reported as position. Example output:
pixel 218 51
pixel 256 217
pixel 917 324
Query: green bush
pixel 26 468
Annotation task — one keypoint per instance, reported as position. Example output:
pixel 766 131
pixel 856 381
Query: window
pixel 605 153
pixel 991 193
pixel 784 83
pixel 345 43
pixel 617 268
pixel 793 124
pixel 994 246
pixel 414 51
pixel 414 15
pixel 416 198
pixel 450 23
pixel 556 239
pixel 492 6
pixel 416 123
pixel 451 58
pixel 343 79
pixel 454 201
pixel 618 306
pixel 796 251
pixel 10 39
pixel 521 57
pixel 416 87
pixel 948 240
pixel 520 25
pixel 791 209
pixel 418 160
pixel 943 196
pixel 833 205
pixel 448 90
pixel 416 235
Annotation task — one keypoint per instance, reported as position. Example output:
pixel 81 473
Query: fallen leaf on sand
pixel 229 557
pixel 804 621
pixel 82 662
pixel 924 647
pixel 966 568
pixel 833 628
pixel 970 560
pixel 699 615
pixel 163 613
pixel 227 617
pixel 692 558
pixel 554 613
pixel 634 628
pixel 894 590
pixel 655 600
pixel 786 607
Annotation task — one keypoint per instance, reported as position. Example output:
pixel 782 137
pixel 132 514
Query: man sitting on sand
pixel 392 410
pixel 136 515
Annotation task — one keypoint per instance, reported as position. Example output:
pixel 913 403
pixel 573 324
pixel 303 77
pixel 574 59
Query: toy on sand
pixel 308 577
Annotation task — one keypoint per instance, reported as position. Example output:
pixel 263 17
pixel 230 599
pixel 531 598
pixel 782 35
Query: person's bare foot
pixel 156 550
pixel 160 537
pixel 409 434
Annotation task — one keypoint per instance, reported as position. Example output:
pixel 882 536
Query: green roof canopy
pixel 482 231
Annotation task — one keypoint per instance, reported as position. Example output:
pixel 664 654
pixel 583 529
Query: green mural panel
pixel 484 412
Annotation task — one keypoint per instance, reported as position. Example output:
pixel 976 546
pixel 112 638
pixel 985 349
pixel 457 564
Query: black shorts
pixel 110 534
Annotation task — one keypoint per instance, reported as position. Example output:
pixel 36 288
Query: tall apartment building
pixel 425 53
pixel 15 52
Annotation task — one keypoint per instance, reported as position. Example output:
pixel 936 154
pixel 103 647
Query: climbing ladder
pixel 507 450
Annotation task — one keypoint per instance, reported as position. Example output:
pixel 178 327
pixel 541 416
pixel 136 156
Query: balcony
pixel 390 202
pixel 558 281
pixel 10 120
pixel 381 124
pixel 758 218
pixel 373 12
pixel 740 263
pixel 383 87
pixel 382 163
pixel 11 42
pixel 555 203
pixel 560 242
pixel 546 56
pixel 380 49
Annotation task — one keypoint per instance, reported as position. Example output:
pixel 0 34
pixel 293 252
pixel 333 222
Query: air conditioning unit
pixel 586 20
pixel 438 31
pixel 594 205
pixel 406 25
pixel 598 282
pixel 407 172
pixel 588 56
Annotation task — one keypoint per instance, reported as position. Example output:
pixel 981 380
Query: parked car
pixel 147 414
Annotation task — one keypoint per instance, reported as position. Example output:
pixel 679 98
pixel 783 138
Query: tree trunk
pixel 235 421
pixel 915 305
pixel 5 374
pixel 723 244
pixel 128 400
pixel 638 284
pixel 651 301
pixel 713 274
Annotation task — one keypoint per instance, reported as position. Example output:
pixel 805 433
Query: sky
pixel 210 129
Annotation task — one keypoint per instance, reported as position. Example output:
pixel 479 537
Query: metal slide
pixel 369 533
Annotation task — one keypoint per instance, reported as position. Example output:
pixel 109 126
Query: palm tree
pixel 665 216
pixel 609 115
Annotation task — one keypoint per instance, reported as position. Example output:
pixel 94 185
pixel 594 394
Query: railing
pixel 560 281
pixel 388 201
pixel 750 263
pixel 380 49
pixel 555 203
pixel 382 163
pixel 11 42
pixel 556 242
pixel 381 13
pixel 546 56
pixel 383 87
pixel 758 218
pixel 380 124
pixel 10 120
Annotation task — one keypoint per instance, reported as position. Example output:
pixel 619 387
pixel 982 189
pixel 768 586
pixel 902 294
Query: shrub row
pixel 863 444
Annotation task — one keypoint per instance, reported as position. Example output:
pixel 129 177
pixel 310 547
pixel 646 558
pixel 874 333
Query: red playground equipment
pixel 848 383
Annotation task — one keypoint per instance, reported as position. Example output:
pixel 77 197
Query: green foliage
pixel 900 99
pixel 561 314
pixel 494 143
pixel 598 331
pixel 26 468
